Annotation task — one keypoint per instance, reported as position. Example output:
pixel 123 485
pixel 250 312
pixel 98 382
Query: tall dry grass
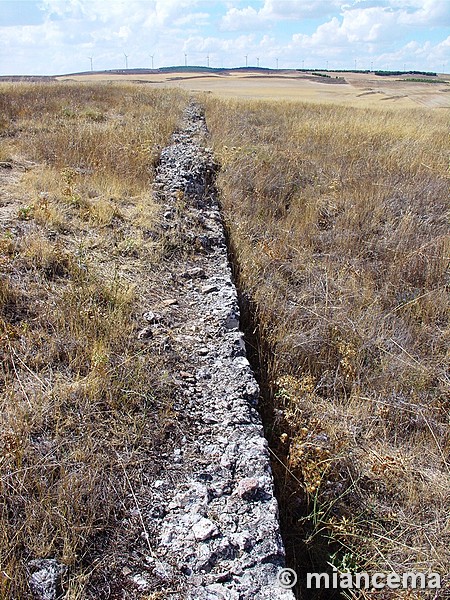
pixel 82 401
pixel 338 221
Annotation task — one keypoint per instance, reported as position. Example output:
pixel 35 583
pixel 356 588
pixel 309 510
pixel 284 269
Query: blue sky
pixel 42 37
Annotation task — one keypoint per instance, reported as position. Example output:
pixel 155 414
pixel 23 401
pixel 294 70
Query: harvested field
pixel 294 85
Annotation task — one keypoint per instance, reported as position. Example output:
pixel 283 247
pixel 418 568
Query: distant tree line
pixel 427 73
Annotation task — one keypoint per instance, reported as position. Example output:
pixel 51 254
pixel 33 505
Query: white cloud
pixel 196 19
pixel 227 30
pixel 373 34
pixel 102 28
pixel 293 9
pixel 124 32
pixel 167 11
pixel 249 18
pixel 414 53
pixel 369 25
pixel 217 45
pixel 242 19
pixel 363 28
pixel 31 36
pixel 155 12
pixel 329 35
pixel 422 12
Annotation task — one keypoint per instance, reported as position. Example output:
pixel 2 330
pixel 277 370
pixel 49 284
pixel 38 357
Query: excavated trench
pixel 217 533
pixel 208 527
pixel 300 556
pixel 306 550
pixel 210 523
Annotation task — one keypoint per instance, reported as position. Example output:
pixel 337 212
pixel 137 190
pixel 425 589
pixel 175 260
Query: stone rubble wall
pixel 218 528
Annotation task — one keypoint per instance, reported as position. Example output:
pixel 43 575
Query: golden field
pixel 359 89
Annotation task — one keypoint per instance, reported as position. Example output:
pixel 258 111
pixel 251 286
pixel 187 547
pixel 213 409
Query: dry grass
pixel 82 401
pixel 338 219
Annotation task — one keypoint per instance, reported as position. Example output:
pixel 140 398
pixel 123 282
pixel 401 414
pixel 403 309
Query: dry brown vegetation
pixel 338 221
pixel 84 405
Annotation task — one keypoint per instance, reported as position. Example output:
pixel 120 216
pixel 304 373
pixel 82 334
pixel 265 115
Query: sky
pixel 51 37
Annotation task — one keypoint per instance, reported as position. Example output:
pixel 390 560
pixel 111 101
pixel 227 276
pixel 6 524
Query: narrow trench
pixel 305 553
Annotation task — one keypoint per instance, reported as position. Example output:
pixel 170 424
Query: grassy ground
pixel 338 220
pixel 84 404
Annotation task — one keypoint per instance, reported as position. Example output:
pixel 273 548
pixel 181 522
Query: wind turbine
pixel 126 60
pixel 185 59
pixel 246 60
pixel 277 63
pixel 207 60
pixel 151 56
pixel 257 61
pixel 90 58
